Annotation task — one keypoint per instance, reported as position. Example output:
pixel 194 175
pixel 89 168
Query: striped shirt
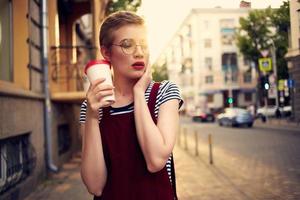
pixel 167 91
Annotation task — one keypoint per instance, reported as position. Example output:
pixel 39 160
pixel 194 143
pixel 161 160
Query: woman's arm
pixel 93 168
pixel 156 141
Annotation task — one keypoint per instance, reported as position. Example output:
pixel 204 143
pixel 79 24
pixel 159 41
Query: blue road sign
pixel 291 83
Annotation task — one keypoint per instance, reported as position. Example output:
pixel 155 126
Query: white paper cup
pixel 86 83
pixel 100 69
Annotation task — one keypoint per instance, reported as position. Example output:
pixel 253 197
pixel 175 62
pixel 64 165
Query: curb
pixel 280 125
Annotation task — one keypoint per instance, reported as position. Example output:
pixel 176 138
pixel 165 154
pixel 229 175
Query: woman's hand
pixel 144 81
pixel 95 95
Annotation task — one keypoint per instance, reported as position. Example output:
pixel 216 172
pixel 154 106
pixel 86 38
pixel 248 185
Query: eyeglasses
pixel 129 46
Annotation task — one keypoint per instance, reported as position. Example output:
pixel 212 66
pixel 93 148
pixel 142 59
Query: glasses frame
pixel 135 48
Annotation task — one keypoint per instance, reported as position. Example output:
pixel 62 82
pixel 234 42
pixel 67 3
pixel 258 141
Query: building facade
pixel 43 48
pixel 203 59
pixel 293 57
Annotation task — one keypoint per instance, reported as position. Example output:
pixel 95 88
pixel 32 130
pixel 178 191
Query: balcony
pixel 66 72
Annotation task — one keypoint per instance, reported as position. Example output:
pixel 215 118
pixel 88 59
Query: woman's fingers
pixel 96 82
pixel 101 87
pixel 103 93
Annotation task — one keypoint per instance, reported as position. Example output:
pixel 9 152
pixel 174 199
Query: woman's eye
pixel 127 45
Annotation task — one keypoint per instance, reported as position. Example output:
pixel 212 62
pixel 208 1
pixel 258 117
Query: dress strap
pixel 151 106
pixel 152 100
pixel 106 111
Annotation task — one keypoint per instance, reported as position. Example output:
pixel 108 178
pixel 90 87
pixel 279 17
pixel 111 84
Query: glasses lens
pixel 128 46
pixel 144 48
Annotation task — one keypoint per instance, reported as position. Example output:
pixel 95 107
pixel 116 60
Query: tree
pixel 259 28
pixel 160 73
pixel 116 5
pixel 281 21
pixel 255 33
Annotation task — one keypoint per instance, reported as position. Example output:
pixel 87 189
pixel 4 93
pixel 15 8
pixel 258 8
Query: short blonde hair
pixel 115 21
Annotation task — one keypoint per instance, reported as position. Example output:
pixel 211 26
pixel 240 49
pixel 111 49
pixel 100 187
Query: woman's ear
pixel 105 53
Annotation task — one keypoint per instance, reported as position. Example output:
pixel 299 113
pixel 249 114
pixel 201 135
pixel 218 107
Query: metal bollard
pixel 196 143
pixel 185 138
pixel 210 150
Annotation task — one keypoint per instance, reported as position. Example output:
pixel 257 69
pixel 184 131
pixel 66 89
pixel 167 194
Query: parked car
pixel 203 116
pixel 273 111
pixel 235 117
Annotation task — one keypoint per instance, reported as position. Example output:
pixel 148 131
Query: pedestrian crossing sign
pixel 265 64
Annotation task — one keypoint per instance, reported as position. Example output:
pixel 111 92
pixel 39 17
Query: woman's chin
pixel 137 74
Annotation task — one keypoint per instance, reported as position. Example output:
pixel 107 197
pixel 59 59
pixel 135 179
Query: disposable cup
pixel 97 69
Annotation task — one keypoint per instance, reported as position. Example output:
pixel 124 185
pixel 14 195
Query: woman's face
pixel 129 53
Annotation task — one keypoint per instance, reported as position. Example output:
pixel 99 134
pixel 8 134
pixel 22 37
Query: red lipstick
pixel 138 65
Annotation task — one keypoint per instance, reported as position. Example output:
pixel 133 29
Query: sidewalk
pixel 64 185
pixel 229 178
pixel 274 123
pixel 195 181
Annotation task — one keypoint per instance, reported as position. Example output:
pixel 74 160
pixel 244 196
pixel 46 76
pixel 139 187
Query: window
pixel 299 19
pixel 6 72
pixel 35 67
pixel 208 63
pixel 248 96
pixel 64 138
pixel 207 43
pixel 210 98
pixel 190 31
pixel 247 77
pixel 246 61
pixel 227 31
pixel 209 79
pixel 17 161
pixel 206 24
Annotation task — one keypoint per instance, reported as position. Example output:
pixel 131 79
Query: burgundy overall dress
pixel 128 177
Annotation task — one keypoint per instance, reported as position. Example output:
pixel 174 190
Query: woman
pixel 124 152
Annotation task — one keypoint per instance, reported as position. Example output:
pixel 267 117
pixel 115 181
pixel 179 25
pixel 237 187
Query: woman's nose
pixel 138 51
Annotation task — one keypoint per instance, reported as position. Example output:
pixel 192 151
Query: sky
pixel 164 17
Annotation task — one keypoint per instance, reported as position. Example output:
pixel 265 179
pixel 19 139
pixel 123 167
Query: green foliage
pixel 259 28
pixel 117 5
pixel 160 73
pixel 281 20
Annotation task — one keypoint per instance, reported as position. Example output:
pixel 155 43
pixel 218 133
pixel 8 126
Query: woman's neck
pixel 123 91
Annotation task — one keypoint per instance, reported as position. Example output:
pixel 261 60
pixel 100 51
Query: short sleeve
pixel 168 91
pixel 82 116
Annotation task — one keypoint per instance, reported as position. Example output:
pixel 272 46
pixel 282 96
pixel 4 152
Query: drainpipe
pixel 47 104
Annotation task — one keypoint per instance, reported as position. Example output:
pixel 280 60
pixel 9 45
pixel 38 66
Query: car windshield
pixel 236 110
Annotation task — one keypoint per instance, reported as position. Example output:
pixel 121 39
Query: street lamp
pixel 273 52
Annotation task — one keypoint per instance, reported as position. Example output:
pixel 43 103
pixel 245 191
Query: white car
pixel 235 117
pixel 270 111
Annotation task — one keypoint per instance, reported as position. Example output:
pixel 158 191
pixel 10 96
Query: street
pixel 252 163
pixel 258 163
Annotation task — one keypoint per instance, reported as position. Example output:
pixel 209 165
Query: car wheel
pixel 250 125
pixel 210 119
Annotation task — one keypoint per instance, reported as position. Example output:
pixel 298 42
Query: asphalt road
pixel 266 158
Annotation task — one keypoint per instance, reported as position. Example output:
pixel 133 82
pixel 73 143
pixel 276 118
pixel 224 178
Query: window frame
pixel 209 79
pixel 10 43
pixel 246 97
pixel 207 43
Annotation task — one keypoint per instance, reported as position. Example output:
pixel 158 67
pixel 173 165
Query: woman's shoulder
pixel 167 85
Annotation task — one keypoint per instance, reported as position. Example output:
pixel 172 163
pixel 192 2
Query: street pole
pixel 230 92
pixel 275 71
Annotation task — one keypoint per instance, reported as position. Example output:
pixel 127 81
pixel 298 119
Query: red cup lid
pixel 95 62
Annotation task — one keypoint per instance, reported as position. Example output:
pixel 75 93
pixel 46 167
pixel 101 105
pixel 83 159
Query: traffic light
pixel 267 86
pixel 264 81
pixel 230 100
